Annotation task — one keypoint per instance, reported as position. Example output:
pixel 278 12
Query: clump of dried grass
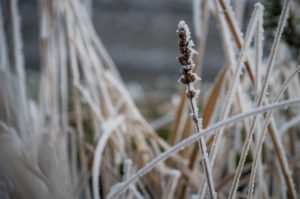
pixel 85 138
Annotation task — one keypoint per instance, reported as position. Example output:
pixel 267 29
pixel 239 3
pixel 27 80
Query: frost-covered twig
pixel 188 78
pixel 235 31
pixel 262 137
pixel 255 16
pixel 234 87
pixel 170 189
pixel 259 36
pixel 270 65
pixel 230 56
pixel 235 82
pixel 109 128
pixel 205 132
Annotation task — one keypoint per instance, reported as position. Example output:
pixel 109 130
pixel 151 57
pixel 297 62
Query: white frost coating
pixel 259 37
pixel 127 169
pixel 136 193
pixel 191 44
pixel 183 25
pixel 191 88
pixel 132 188
pixel 175 174
pixel 194 52
pixel 109 128
pixel 197 91
pixel 193 102
pixel 114 189
pixel 197 78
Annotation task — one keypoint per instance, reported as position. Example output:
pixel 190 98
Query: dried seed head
pixel 185 46
pixel 190 94
pixel 182 43
pixel 184 50
pixel 183 60
pixel 186 60
pixel 191 77
pixel 182 80
pixel 181 34
pixel 187 78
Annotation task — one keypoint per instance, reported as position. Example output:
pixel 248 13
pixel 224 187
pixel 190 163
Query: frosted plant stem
pixel 232 22
pixel 258 65
pixel 193 138
pixel 202 147
pixel 235 31
pixel 108 130
pixel 173 182
pixel 97 41
pixel 256 15
pixel 230 55
pixel 282 20
pixel 228 102
pixel 260 143
pixel 258 55
pixel 188 78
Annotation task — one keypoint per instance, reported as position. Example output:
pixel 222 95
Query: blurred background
pixel 141 38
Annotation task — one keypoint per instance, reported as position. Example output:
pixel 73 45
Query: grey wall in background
pixel 138 34
pixel 141 36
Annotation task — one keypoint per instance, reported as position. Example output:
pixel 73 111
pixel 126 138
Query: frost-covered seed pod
pixel 190 94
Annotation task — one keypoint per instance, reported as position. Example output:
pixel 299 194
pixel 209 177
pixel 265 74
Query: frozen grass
pixel 84 137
